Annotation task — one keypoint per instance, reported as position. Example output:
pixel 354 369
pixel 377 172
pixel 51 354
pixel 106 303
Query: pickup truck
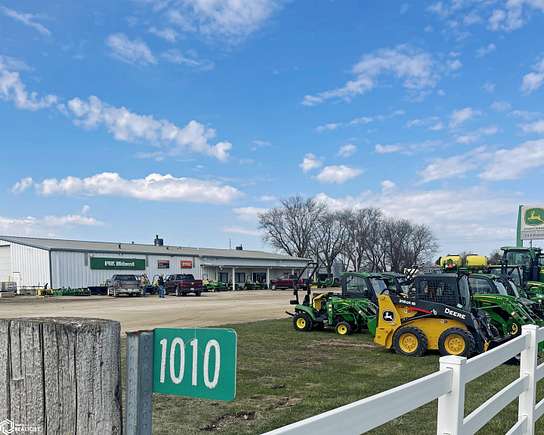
pixel 285 283
pixel 183 284
pixel 124 285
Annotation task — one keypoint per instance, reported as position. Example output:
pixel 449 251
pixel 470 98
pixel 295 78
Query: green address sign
pixel 195 362
pixel 101 263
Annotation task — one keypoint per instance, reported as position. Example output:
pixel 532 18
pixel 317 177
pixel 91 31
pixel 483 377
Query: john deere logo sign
pixel 101 263
pixel 534 217
pixel 532 222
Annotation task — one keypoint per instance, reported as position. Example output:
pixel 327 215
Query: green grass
pixel 284 376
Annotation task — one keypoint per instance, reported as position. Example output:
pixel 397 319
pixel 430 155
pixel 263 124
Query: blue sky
pixel 187 118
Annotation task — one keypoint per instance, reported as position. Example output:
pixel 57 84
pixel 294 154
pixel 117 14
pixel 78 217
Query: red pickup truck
pixel 284 283
pixel 182 284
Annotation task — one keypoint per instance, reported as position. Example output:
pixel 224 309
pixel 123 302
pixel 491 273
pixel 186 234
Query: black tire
pixel 197 293
pixel 420 344
pixel 468 338
pixel 302 322
pixel 343 328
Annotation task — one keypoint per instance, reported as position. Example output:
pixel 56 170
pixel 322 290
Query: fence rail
pixel 448 386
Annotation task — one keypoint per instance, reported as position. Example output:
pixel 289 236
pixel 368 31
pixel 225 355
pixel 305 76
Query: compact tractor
pixel 437 314
pixel 329 310
pixel 531 262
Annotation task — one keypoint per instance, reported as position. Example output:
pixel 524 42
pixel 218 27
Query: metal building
pixel 33 262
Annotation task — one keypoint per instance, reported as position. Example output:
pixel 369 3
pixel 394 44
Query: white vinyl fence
pixel 448 386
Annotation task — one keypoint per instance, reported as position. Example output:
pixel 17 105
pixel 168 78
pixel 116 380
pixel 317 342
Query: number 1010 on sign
pixel 195 362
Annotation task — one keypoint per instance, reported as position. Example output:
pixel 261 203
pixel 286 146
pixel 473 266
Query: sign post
pixel 189 362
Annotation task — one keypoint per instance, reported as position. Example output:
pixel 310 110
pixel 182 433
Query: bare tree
pixel 291 227
pixel 362 235
pixel 329 238
pixel 495 257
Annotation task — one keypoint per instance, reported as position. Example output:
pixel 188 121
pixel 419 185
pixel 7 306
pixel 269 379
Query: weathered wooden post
pixel 61 375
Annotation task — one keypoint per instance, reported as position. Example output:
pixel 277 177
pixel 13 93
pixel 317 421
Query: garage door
pixel 5 263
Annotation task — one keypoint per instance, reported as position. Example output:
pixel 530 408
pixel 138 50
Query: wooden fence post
pixel 451 406
pixel 61 375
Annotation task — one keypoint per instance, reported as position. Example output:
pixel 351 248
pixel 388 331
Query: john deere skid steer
pixel 436 315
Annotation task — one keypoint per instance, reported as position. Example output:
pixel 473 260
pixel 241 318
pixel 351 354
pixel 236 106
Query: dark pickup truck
pixel 183 284
pixel 285 283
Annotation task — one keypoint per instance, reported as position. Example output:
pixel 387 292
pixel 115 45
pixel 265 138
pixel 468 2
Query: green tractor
pixel 327 280
pixel 531 262
pixel 507 313
pixel 343 313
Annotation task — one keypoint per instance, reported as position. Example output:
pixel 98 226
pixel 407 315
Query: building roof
pixel 138 248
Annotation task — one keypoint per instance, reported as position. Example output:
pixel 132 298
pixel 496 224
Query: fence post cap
pixel 453 360
pixel 529 328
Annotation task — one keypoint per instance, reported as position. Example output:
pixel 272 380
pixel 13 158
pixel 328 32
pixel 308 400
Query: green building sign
pixel 534 216
pixel 195 362
pixel 101 263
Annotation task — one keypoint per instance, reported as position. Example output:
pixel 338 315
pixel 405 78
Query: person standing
pixel 161 286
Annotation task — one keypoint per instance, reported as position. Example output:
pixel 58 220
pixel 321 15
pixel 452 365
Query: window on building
pixel 224 277
pixel 163 264
pixel 240 277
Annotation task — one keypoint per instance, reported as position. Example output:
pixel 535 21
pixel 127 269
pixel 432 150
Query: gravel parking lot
pixel 151 312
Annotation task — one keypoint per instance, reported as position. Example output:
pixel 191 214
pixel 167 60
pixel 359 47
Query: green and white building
pixel 32 262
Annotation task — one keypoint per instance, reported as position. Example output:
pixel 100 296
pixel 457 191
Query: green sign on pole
pixel 195 362
pixel 101 263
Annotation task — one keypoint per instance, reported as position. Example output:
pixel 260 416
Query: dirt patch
pixel 229 419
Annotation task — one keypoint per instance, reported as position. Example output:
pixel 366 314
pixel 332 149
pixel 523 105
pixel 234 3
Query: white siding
pixel 29 266
pixel 5 263
pixel 72 269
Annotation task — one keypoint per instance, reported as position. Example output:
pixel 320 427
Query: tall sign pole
pixel 519 241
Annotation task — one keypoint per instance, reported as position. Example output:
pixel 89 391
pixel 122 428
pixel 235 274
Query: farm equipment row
pixel 464 307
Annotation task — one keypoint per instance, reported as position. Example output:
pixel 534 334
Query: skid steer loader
pixel 435 315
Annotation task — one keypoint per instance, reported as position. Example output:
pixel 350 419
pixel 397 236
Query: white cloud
pixel 533 80
pixel 460 116
pixel 489 87
pixel 347 150
pixel 534 127
pixel 166 33
pixel 454 65
pixel 310 162
pixel 388 185
pixel 31 225
pixel 338 174
pixel 513 14
pixel 476 135
pixel 432 123
pixel 484 51
pixel 131 51
pixel 414 67
pixel 268 198
pixel 132 127
pixel 454 166
pixel 26 19
pixel 175 56
pixel 249 213
pixel 154 187
pixel 230 19
pixel 13 89
pixel 387 149
pixel 243 231
pixel 455 215
pixel 501 106
pixel 22 185
pixel 510 164
pixel 328 127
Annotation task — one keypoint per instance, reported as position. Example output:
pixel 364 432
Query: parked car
pixel 182 284
pixel 124 285
pixel 286 282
